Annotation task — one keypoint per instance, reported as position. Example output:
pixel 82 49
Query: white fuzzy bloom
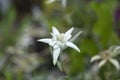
pixel 59 41
pixel 105 57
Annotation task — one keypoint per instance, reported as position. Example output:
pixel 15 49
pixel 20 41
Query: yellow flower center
pixel 60 37
pixel 106 55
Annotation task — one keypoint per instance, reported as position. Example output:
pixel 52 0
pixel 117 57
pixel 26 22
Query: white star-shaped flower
pixel 105 57
pixel 60 41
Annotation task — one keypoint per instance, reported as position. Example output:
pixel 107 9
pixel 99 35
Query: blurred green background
pixel 23 22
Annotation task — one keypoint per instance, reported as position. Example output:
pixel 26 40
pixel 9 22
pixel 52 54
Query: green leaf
pixel 103 26
pixel 8 75
pixel 77 63
pixel 89 46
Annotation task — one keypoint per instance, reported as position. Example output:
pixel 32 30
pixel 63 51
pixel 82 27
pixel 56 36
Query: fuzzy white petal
pixel 52 43
pixel 69 32
pixel 94 58
pixel 47 40
pixel 70 44
pixel 102 63
pixel 56 53
pixel 115 63
pixel 74 37
pixel 55 46
pixel 55 31
pixel 116 50
pixel 67 37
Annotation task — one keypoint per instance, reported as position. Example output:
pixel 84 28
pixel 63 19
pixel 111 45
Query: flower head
pixel 59 41
pixel 106 56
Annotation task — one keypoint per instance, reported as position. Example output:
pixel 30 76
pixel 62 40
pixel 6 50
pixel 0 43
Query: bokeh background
pixel 23 22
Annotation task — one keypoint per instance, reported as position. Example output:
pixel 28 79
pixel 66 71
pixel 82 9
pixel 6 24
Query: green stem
pixel 60 64
pixel 108 72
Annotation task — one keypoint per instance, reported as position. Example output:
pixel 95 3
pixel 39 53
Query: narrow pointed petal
pixel 94 58
pixel 56 53
pixel 116 50
pixel 55 31
pixel 101 63
pixel 69 32
pixel 115 63
pixel 47 40
pixel 67 37
pixel 52 43
pixel 74 37
pixel 70 44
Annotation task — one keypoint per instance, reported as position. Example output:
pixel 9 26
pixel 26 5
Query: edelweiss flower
pixel 60 41
pixel 106 56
